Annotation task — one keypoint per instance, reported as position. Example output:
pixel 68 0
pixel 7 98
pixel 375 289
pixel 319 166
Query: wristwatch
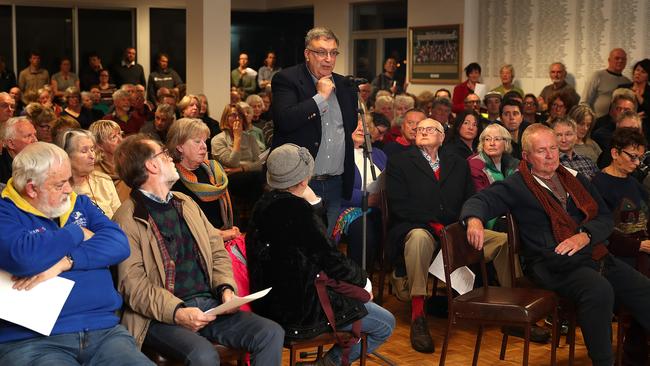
pixel 583 230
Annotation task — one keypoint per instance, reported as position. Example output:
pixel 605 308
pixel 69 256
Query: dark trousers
pixel 594 296
pixel 243 330
pixel 355 238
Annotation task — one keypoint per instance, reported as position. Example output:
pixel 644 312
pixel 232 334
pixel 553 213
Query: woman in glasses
pixel 628 201
pixel 492 162
pixel 236 149
pixel 200 178
pixel 80 146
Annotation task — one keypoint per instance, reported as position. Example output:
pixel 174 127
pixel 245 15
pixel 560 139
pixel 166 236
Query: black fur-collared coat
pixel 286 248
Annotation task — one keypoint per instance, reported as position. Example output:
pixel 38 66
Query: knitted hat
pixel 288 165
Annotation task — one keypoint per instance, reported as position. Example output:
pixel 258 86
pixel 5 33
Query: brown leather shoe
pixel 421 340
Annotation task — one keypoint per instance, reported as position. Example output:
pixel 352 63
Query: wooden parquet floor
pixel 461 347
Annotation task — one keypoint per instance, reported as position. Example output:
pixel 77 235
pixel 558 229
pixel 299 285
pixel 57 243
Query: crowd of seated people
pixel 181 184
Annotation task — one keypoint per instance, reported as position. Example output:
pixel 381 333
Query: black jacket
pixel 538 243
pixel 416 197
pixel 297 118
pixel 286 247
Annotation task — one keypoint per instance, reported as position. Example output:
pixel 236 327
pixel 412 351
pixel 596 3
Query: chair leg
pixel 477 346
pixel 292 356
pixel 443 353
pixel 319 353
pixel 571 337
pixel 364 350
pixel 526 344
pixel 620 338
pixel 554 338
pixel 504 344
pixel 382 280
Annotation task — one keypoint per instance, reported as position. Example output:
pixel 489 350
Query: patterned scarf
pixel 562 224
pixel 216 190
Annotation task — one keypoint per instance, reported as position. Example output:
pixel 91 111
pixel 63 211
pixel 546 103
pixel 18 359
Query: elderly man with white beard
pixel 49 231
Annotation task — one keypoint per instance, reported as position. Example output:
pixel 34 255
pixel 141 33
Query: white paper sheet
pixel 462 279
pixel 36 309
pixel 237 302
pixel 480 90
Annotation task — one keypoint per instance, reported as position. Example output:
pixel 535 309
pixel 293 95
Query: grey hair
pixel 34 162
pixel 508 67
pixel 254 98
pixel 68 140
pixel 9 127
pixel 565 121
pixel 557 63
pixel 167 111
pixel 119 94
pixel 86 94
pixel 501 131
pixel 318 33
pixel 406 100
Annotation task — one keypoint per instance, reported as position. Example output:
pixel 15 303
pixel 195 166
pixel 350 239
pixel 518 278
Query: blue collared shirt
pixel 331 151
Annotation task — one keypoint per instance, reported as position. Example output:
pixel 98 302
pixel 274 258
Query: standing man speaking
pixel 314 107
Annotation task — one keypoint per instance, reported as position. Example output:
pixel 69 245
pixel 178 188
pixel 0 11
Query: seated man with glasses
pixel 426 191
pixel 315 108
pixel 179 268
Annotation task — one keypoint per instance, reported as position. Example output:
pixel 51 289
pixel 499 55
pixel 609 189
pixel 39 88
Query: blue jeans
pixel 331 191
pixel 113 346
pixel 378 324
pixel 243 330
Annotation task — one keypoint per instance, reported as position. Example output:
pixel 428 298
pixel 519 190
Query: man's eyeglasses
pixel 7 105
pixel 430 129
pixel 633 157
pixel 324 54
pixel 164 151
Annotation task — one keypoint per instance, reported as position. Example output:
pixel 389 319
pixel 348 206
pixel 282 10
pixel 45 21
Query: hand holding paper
pixel 236 302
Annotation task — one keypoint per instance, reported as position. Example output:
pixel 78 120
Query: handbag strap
pixel 321 282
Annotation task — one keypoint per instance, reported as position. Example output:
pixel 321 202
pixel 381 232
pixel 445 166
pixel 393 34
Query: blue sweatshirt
pixel 31 243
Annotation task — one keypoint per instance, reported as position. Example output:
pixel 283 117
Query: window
pixel 46 30
pixel 378 32
pixel 105 32
pixel 383 15
pixel 167 35
pixel 6 48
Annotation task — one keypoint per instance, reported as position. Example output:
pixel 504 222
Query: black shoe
pixel 421 340
pixel 537 334
pixel 564 325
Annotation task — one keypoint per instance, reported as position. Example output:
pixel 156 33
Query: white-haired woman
pixel 493 161
pixel 80 146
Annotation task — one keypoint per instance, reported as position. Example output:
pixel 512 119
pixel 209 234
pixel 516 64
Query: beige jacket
pixel 141 277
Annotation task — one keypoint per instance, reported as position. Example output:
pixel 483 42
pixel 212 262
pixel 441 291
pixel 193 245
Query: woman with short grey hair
pixel 80 146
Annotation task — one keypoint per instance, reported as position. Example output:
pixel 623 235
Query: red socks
pixel 417 307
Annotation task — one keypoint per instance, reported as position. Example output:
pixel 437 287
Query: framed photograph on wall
pixel 435 54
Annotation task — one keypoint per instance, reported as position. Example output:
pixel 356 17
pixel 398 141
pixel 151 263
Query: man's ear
pixel 30 190
pixel 152 166
pixel 614 152
pixel 524 155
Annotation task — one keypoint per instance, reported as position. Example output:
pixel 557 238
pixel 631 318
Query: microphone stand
pixel 367 160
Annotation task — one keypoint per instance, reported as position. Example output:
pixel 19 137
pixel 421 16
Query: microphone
pixel 352 80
